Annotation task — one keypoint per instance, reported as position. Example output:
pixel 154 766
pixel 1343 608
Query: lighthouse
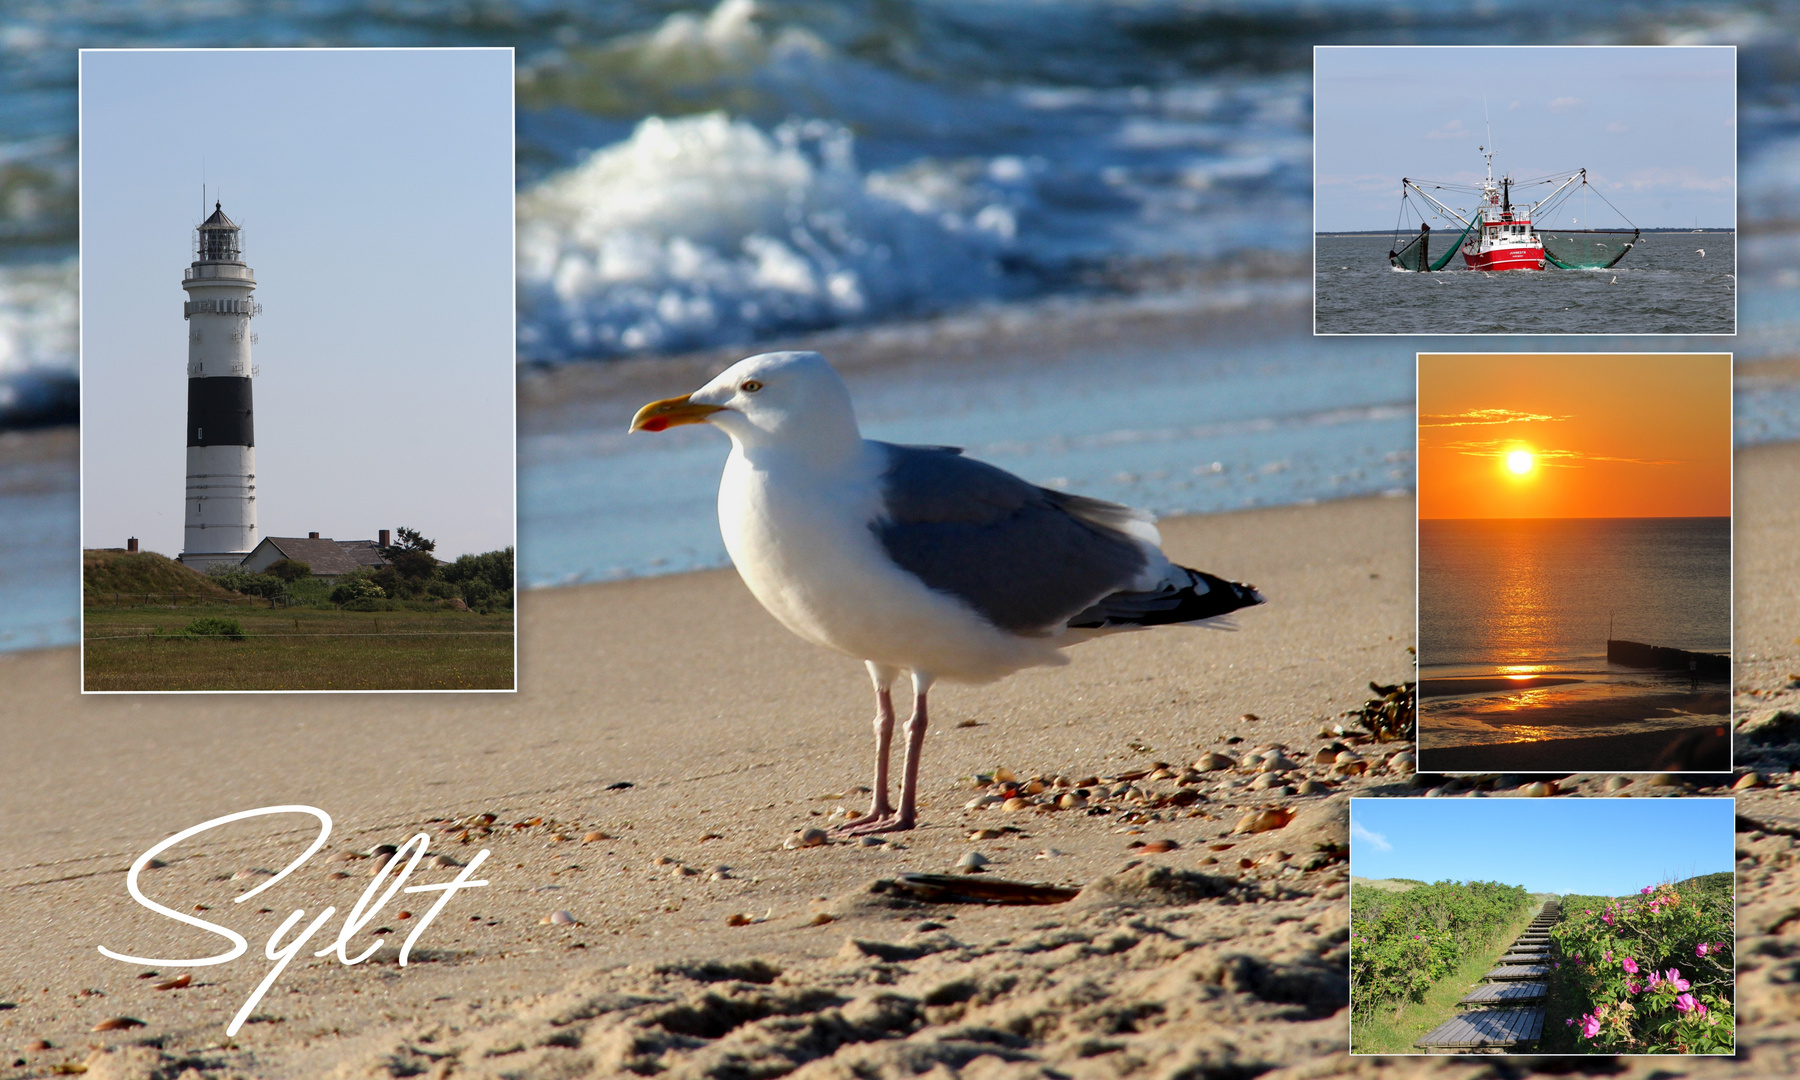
pixel 220 514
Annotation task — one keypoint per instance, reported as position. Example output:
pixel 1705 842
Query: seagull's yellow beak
pixel 671 412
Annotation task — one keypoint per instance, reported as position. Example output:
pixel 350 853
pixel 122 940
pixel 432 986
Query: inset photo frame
pixel 1575 570
pixel 319 496
pixel 1525 189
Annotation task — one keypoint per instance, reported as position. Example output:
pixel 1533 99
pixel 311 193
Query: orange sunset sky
pixel 1545 435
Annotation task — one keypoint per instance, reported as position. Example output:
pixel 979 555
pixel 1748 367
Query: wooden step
pixel 1513 972
pixel 1506 993
pixel 1477 1028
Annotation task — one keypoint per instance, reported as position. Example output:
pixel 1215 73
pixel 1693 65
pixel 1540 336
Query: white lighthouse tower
pixel 220 516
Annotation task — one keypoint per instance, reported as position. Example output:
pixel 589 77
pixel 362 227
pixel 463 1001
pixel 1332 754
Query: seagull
pixel 1614 281
pixel 916 559
pixel 1702 252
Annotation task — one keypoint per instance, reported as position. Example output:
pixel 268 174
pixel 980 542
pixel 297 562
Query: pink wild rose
pixel 1700 949
pixel 1630 965
pixel 1590 1026
pixel 1674 979
pixel 1685 1003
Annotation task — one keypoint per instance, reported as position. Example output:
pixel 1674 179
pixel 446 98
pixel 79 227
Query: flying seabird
pixel 1702 252
pixel 916 559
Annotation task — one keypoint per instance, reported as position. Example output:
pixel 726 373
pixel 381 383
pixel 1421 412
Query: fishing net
pixel 1421 253
pixel 1586 249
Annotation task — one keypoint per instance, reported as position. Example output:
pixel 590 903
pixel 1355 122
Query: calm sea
pixel 1664 285
pixel 1519 596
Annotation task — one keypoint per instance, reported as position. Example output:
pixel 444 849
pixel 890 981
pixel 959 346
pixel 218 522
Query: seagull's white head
pixel 789 398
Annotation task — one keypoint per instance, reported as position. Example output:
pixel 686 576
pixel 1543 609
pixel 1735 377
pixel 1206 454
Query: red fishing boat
pixel 1499 234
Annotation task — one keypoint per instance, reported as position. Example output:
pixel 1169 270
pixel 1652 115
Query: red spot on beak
pixel 656 424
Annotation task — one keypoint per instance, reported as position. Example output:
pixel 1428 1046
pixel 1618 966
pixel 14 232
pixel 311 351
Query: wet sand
pixel 1702 748
pixel 1452 687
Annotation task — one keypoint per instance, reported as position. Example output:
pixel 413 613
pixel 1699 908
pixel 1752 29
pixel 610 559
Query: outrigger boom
pixel 1499 234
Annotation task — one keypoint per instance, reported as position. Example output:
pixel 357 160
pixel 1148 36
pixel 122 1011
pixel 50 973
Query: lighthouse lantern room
pixel 220 514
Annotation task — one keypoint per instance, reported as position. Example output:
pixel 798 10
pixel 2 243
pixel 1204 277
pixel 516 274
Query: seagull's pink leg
pixel 880 809
pixel 909 776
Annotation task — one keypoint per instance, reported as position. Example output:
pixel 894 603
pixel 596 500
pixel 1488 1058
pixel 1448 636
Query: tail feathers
pixel 1202 597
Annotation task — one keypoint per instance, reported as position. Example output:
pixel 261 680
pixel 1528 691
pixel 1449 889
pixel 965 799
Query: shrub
pixel 1647 974
pixel 215 627
pixel 356 586
pixel 243 581
pixel 1403 942
pixel 289 570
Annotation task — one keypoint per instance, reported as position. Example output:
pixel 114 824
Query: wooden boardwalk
pixel 1505 1011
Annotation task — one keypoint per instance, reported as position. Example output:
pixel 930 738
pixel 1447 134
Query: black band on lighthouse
pixel 219 412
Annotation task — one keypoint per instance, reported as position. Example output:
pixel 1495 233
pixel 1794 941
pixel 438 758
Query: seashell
pixel 972 862
pixel 1747 781
pixel 1250 718
pixel 1015 804
pixel 1618 783
pixel 1004 775
pixel 1309 787
pixel 1326 756
pixel 1211 762
pixel 558 918
pixel 1346 757
pixel 1034 786
pixel 404 915
pixel 382 851
pixel 176 983
pixel 1088 782
pixel 820 919
pixel 662 860
pixel 1266 782
pixel 1404 762
pixel 558 838
pixel 40 1044
pixel 980 802
pixel 1280 762
pixel 1157 847
pixel 444 862
pixel 342 857
pixel 871 841
pixel 255 872
pixel 1050 853
pixel 1189 776
pixel 1073 800
pixel 595 837
pixel 1540 789
pixel 1264 820
pixel 684 871
pixel 1162 774
pixel 738 920
pixel 985 834
pixel 117 1023
pixel 807 838
pixel 337 875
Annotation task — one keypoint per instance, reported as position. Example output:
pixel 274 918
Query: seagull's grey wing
pixel 1025 557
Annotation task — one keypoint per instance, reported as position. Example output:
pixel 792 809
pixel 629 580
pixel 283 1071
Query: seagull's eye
pixel 750 386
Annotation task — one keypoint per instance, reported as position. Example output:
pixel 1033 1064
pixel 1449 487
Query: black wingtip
pixel 1204 597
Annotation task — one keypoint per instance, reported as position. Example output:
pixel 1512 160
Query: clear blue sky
pixel 1655 126
pixel 1595 847
pixel 375 188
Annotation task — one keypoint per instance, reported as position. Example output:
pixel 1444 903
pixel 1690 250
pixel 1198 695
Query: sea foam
pixel 707 229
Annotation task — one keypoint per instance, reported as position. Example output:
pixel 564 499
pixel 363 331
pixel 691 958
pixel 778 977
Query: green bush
pixel 213 626
pixel 267 586
pixel 289 570
pixel 1650 973
pixel 357 586
pixel 1403 942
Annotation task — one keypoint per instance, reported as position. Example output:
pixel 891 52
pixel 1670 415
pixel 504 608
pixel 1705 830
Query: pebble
pixel 1618 783
pixel 341 857
pixel 820 919
pixel 337 875
pixel 1659 780
pixel 875 841
pixel 595 837
pixel 255 872
pixel 985 834
pixel 117 1023
pixel 1157 847
pixel 807 838
pixel 558 918
pixel 1050 853
pixel 444 862
pixel 1263 820
pixel 972 862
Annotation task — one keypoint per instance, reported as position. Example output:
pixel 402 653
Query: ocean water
pixel 721 173
pixel 1662 286
pixel 1542 596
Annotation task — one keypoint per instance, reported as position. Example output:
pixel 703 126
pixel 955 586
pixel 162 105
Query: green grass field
pixel 300 648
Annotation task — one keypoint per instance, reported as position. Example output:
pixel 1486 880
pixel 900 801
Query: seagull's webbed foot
pixel 868 826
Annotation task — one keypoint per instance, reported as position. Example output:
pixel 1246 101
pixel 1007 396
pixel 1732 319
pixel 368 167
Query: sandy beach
pixel 1201 959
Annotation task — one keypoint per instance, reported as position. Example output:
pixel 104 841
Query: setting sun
pixel 1519 461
